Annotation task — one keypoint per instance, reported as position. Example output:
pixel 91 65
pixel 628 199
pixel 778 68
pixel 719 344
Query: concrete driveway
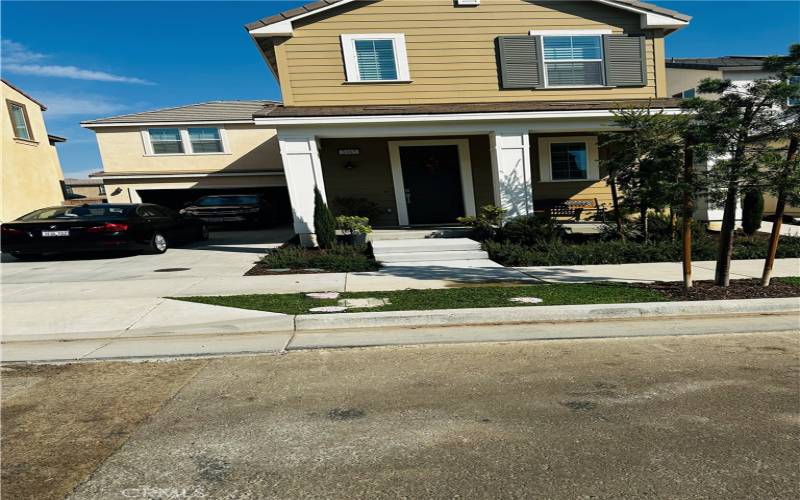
pixel 115 293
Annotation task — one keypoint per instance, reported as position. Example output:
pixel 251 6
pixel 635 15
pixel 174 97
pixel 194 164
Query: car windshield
pixel 209 201
pixel 82 212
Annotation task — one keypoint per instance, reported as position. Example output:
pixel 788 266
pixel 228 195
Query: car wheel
pixel 158 243
pixel 203 232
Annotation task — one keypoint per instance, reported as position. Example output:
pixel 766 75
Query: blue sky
pixel 91 59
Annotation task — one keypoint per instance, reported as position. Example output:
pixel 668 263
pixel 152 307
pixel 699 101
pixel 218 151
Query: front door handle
pixel 408 196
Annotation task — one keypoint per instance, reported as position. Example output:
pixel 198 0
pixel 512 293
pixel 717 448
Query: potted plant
pixel 355 228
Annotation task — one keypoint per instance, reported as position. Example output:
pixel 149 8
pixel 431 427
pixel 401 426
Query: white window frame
pixel 185 141
pixel 598 33
pixel 592 157
pixel 351 61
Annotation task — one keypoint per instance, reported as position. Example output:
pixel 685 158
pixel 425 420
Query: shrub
pixel 752 211
pixel 361 207
pixel 486 224
pixel 337 258
pixel 353 224
pixel 627 252
pixel 532 230
pixel 324 224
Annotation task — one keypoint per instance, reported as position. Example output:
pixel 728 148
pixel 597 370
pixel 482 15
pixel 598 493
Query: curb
pixel 288 324
pixel 545 314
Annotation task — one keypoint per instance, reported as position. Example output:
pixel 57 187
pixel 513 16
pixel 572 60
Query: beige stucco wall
pixel 451 51
pixel 30 170
pixel 680 79
pixel 251 148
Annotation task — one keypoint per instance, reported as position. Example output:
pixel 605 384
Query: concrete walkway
pixel 656 271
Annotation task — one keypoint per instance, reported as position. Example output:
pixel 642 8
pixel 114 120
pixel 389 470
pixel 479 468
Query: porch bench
pixel 571 209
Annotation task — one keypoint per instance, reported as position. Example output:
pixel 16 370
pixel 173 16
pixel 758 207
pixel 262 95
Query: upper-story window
pixel 180 141
pixel 205 140
pixel 19 121
pixel 166 141
pixel 375 58
pixel 573 61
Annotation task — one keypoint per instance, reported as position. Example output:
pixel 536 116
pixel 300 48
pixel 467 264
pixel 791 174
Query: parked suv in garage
pixel 250 209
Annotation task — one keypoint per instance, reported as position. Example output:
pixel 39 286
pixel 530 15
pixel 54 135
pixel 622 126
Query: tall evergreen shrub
pixel 752 211
pixel 324 223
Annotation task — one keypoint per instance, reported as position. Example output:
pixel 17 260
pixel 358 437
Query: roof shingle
pixel 716 62
pixel 213 111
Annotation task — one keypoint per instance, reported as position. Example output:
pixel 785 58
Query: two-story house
pixel 30 176
pixel 427 108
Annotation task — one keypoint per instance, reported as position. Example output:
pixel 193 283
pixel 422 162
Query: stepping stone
pixel 328 309
pixel 526 300
pixel 323 295
pixel 364 303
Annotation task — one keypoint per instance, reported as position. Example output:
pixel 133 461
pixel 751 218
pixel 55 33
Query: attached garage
pixel 175 191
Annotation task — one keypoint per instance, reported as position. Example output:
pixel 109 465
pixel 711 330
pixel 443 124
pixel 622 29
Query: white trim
pixel 165 124
pixel 596 33
pixel 465 171
pixel 192 175
pixel 264 30
pixel 186 142
pixel 592 157
pixel 444 117
pixel 576 31
pixel 648 19
pixel 351 61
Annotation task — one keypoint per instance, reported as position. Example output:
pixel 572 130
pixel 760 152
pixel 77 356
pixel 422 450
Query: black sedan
pixel 99 227
pixel 249 209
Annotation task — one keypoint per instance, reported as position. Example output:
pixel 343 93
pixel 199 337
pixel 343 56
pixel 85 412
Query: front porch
pixel 418 171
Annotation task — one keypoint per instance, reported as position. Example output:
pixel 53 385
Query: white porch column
pixel 303 171
pixel 511 171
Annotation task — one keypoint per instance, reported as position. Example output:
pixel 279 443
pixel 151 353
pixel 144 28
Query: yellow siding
pixel 451 51
pixel 30 169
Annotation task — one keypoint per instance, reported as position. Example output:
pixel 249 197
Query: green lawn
pixel 794 280
pixel 448 298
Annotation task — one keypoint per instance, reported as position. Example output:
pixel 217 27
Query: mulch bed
pixel 738 289
pixel 259 270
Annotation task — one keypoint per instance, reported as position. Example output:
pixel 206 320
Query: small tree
pixel 784 176
pixel 752 211
pixel 743 120
pixel 324 223
pixel 642 159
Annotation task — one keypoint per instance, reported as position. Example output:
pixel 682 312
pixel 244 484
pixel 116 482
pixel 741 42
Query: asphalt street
pixel 714 416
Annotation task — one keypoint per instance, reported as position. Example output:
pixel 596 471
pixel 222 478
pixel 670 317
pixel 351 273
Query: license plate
pixel 54 233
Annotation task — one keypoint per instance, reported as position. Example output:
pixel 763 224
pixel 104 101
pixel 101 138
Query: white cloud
pixel 15 53
pixel 17 58
pixel 85 106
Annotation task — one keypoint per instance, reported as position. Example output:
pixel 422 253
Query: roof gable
pixel 280 24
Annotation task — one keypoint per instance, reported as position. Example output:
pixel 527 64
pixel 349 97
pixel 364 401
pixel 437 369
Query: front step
pixel 422 250
pixel 390 258
pixel 418 234
pixel 424 245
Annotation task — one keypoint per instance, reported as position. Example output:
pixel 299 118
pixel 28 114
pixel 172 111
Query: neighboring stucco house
pixel 176 155
pixel 31 173
pixel 77 191
pixel 430 109
pixel 683 77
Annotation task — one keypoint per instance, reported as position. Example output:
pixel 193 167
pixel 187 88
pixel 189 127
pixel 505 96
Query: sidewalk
pixel 86 308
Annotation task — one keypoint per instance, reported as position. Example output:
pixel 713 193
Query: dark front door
pixel 432 181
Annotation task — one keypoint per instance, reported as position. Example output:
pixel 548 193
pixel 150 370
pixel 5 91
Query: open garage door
pixel 278 198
